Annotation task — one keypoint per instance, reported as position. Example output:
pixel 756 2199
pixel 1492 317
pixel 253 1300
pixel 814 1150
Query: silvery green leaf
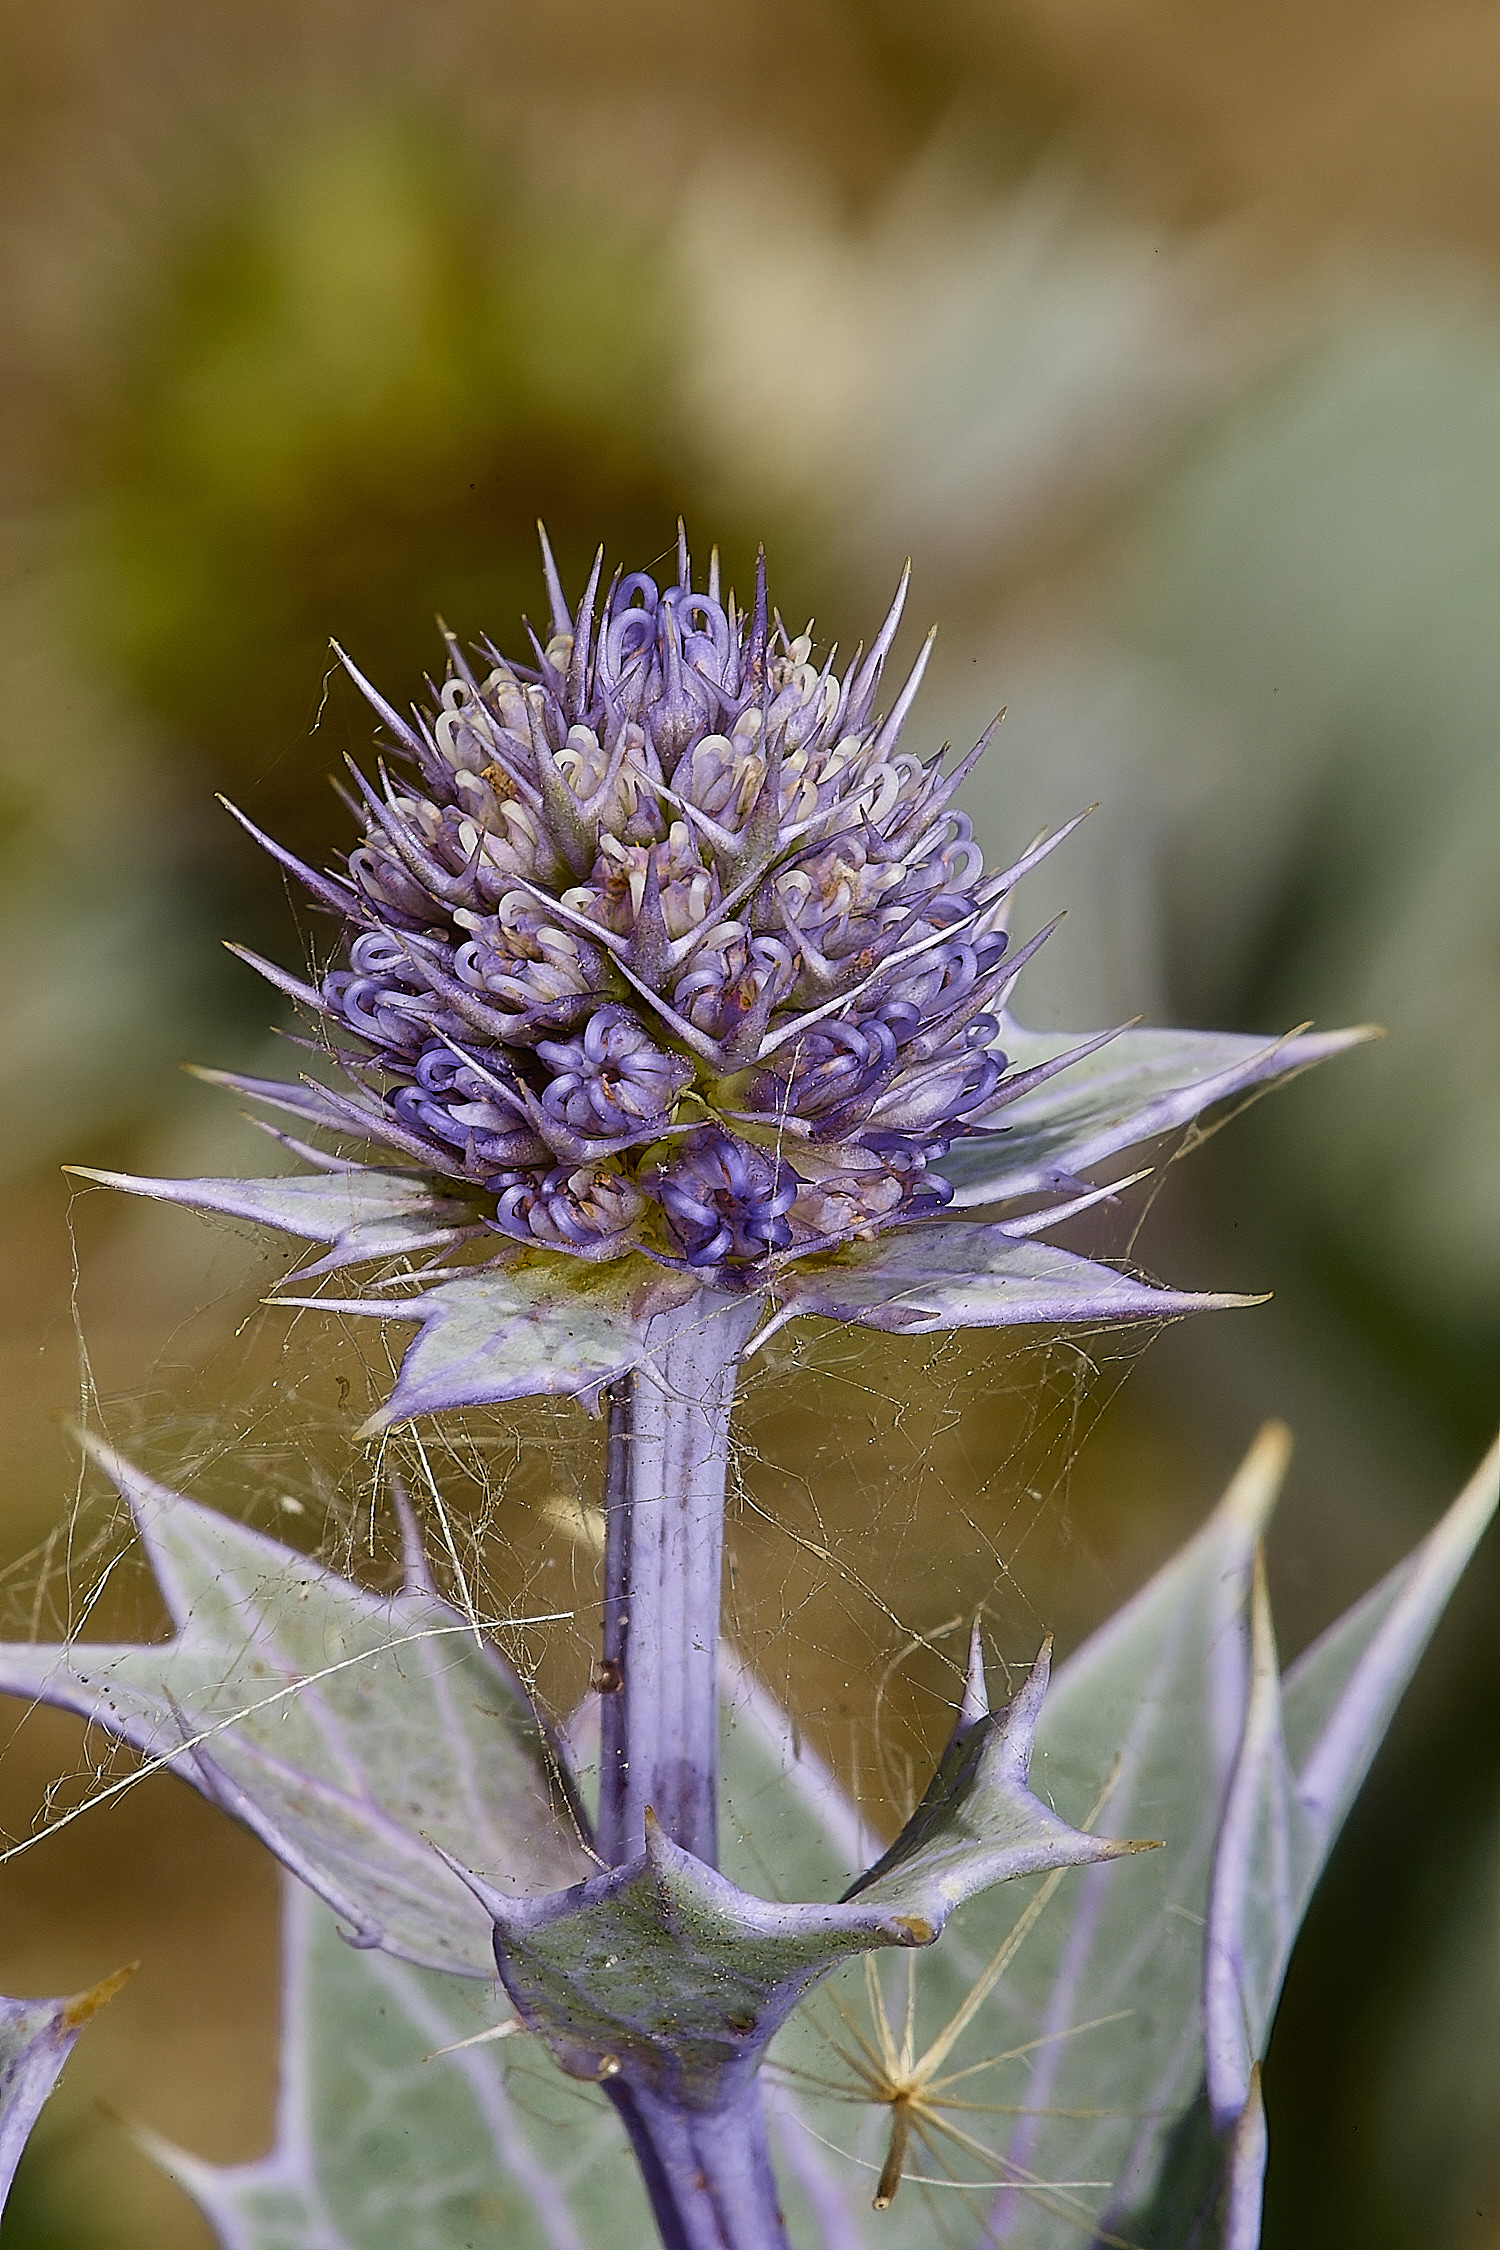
pixel 957 1273
pixel 666 1973
pixel 1141 1083
pixel 1121 2047
pixel 1139 1729
pixel 541 1325
pixel 1306 1746
pixel 978 1823
pixel 302 1098
pixel 555 1325
pixel 383 2142
pixel 1340 1695
pixel 1164 1712
pixel 349 1730
pixel 36 2039
pixel 362 1212
pixel 1237 2218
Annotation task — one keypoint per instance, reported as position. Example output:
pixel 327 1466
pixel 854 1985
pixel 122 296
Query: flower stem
pixel 707 2172
pixel 663 1559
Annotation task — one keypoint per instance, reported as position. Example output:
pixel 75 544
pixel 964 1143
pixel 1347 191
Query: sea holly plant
pixel 673 1002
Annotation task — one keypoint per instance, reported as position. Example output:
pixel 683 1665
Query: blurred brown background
pixel 1167 340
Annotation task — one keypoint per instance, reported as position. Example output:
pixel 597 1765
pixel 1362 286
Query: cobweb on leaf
pixel 883 1492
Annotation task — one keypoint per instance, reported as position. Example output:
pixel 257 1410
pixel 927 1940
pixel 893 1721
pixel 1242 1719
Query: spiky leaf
pixel 543 1326
pixel 362 1212
pixel 1102 2006
pixel 350 1730
pixel 666 1972
pixel 1306 1746
pixel 36 2039
pixel 1139 1084
pixel 1138 2007
pixel 954 1273
pixel 383 2143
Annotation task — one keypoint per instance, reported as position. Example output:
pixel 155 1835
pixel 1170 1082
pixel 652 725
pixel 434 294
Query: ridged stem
pixel 663 1560
pixel 708 2173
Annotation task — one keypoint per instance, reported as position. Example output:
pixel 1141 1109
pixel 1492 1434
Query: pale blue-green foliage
pixel 1306 1746
pixel 949 1273
pixel 359 1211
pixel 1101 2006
pixel 513 1331
pixel 355 1732
pixel 1135 2007
pixel 351 1731
pixel 36 2039
pixel 381 2148
pixel 1173 1717
pixel 673 1969
pixel 1126 1090
pixel 552 1324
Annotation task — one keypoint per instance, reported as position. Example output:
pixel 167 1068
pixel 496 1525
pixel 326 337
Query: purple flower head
pixel 662 941
pixel 612 1082
pixel 593 1212
pixel 724 1200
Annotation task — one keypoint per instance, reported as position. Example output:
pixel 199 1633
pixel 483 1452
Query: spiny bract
pixel 661 943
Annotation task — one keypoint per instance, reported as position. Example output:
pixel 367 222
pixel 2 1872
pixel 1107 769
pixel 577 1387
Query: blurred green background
pixel 1167 341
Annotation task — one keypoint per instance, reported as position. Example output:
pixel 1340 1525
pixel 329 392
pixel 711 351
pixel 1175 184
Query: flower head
pixel 661 941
